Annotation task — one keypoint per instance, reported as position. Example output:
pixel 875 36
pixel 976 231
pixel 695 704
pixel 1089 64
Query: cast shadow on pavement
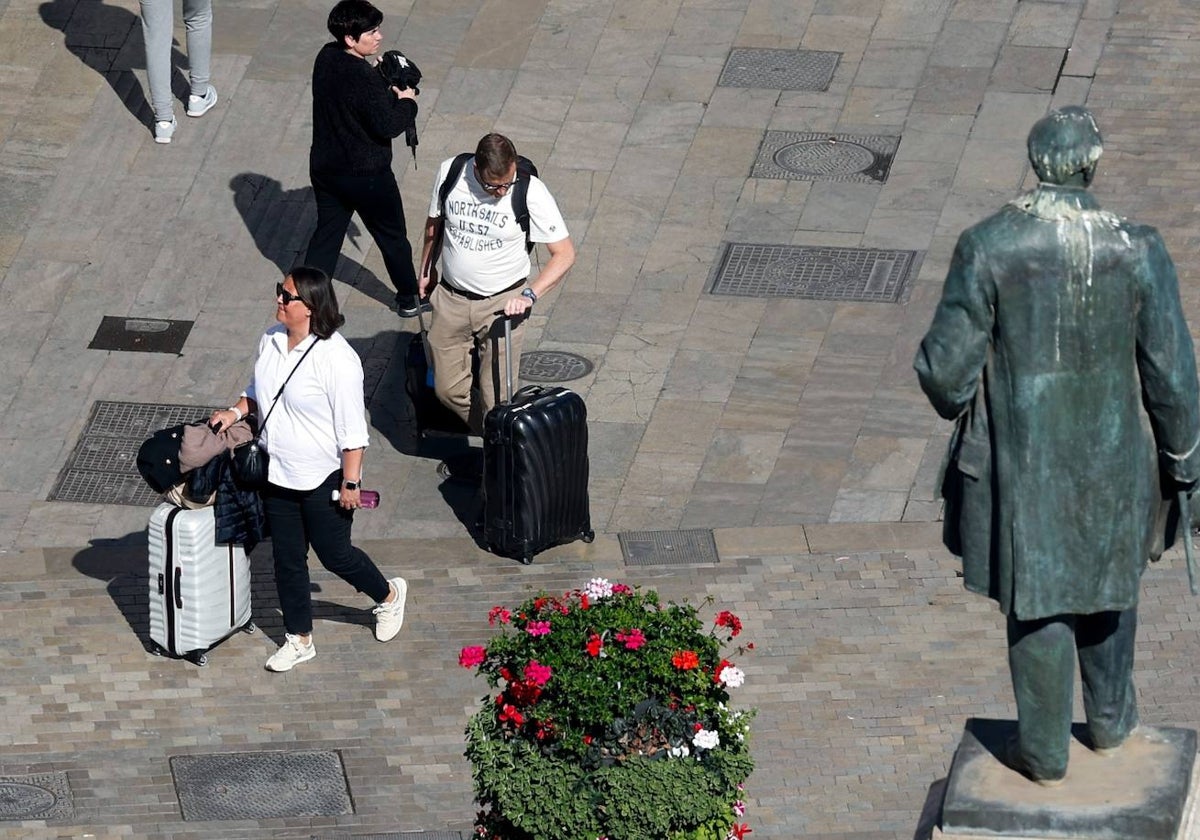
pixel 108 39
pixel 280 221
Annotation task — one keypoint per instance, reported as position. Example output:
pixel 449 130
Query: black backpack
pixel 520 190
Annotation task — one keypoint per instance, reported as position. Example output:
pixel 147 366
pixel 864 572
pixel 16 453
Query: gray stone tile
pixel 868 506
pixel 584 317
pixel 611 448
pixel 1026 69
pixel 839 207
pixel 741 457
pixel 917 20
pixel 993 11
pixel 875 109
pixel 704 375
pixel 884 463
pixel 627 52
pixel 951 90
pixel 891 64
pixel 969 43
pixel 607 98
pixel 1044 24
pixel 718 505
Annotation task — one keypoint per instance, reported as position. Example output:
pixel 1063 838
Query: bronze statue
pixel 1059 331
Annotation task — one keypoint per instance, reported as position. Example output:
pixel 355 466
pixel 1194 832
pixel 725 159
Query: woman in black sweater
pixel 356 115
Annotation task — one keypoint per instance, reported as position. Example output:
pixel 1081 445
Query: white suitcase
pixel 199 589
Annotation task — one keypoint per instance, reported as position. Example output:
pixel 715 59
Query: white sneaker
pixel 198 106
pixel 164 130
pixel 390 617
pixel 291 653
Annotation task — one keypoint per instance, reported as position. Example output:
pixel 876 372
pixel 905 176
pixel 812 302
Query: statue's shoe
pixel 1014 759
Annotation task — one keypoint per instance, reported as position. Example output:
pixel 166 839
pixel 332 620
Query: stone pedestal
pixel 1147 790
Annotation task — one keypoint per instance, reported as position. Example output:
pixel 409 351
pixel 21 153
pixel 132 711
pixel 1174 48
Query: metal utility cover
pixel 779 69
pixel 261 785
pixel 103 466
pixel 143 335
pixel 553 366
pixel 41 796
pixel 814 273
pixel 669 548
pixel 812 156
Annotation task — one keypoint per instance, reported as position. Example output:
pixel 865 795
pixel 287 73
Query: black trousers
pixel 376 199
pixel 300 518
pixel 1041 658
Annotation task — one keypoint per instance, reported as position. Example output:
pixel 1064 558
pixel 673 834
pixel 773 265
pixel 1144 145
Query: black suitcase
pixel 426 412
pixel 535 469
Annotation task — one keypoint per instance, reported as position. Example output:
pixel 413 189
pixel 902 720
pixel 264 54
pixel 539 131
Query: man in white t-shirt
pixel 485 271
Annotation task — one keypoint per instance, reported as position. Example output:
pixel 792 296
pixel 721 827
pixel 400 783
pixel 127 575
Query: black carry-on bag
pixel 535 469
pixel 427 412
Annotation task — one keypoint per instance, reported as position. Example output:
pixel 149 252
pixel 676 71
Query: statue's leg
pixel 1041 659
pixel 1106 641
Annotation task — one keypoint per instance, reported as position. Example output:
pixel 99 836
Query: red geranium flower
pixel 498 614
pixel 740 831
pixel 595 644
pixel 471 656
pixel 685 660
pixel 727 619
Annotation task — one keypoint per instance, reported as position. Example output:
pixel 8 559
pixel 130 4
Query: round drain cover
pixel 553 366
pixel 22 801
pixel 825 157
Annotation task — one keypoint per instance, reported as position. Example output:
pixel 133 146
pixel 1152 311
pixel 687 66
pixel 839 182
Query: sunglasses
pixel 287 296
pixel 495 188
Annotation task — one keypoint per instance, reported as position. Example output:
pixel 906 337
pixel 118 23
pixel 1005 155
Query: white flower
pixel 598 588
pixel 681 751
pixel 706 739
pixel 732 677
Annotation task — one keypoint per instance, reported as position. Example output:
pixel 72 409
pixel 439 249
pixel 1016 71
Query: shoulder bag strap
pixel 279 393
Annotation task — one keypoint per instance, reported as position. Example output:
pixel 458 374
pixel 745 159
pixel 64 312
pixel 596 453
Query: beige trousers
pixel 459 326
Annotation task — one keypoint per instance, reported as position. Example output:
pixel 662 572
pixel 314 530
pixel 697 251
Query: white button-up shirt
pixel 320 413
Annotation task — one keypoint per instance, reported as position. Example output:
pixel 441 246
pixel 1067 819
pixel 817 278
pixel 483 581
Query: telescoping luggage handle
pixel 508 355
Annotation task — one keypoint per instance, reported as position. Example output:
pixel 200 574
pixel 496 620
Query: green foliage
pixel 610 720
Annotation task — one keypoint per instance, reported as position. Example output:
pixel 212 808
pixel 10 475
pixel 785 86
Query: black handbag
pixel 398 70
pixel 250 461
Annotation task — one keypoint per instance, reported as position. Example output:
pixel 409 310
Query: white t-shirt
pixel 320 413
pixel 483 249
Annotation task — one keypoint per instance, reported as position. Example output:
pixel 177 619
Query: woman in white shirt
pixel 316 435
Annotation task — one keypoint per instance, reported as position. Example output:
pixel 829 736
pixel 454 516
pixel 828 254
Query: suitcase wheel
pixel 250 627
pixel 527 559
pixel 588 536
pixel 158 650
pixel 198 658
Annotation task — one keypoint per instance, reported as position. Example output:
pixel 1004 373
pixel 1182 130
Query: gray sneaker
pixel 389 617
pixel 164 130
pixel 198 106
pixel 291 653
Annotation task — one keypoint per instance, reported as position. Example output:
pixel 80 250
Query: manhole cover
pixel 42 796
pixel 261 785
pixel 668 548
pixel 779 69
pixel 805 156
pixel 553 366
pixel 145 335
pixel 103 466
pixel 814 273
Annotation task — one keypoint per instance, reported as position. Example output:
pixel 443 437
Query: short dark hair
pixel 316 292
pixel 495 155
pixel 352 18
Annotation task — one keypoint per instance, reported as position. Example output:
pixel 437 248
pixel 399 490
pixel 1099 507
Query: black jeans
pixel 300 518
pixel 376 199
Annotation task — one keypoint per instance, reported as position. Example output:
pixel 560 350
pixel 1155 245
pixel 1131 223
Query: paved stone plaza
pixel 757 262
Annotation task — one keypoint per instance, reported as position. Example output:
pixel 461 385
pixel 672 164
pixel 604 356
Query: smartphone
pixel 366 498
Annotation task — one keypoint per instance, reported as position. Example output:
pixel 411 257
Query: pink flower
pixel 621 589
pixel 633 639
pixel 471 656
pixel 537 673
pixel 739 808
pixel 498 614
pixel 538 628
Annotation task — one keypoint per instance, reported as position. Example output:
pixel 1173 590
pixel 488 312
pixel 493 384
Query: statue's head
pixel 1064 146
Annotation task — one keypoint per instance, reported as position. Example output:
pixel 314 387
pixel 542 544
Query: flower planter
pixel 610 721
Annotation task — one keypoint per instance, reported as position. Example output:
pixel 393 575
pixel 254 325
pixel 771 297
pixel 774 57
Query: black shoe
pixel 408 307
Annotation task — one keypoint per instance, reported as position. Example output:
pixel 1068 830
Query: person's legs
pixel 289 545
pixel 333 219
pixel 158 23
pixel 378 203
pixel 1041 659
pixel 328 526
pixel 197 20
pixel 1105 642
pixel 450 345
pixel 489 336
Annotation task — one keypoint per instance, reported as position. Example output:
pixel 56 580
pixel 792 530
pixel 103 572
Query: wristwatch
pixel 531 294
pixel 351 485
